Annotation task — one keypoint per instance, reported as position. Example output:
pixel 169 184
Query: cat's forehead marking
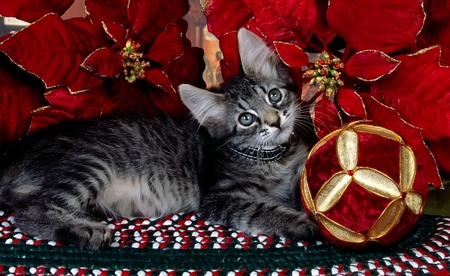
pixel 260 90
pixel 243 104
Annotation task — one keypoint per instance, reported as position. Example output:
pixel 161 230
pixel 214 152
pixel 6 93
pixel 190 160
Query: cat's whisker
pixel 323 123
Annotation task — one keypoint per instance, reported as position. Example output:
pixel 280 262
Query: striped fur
pixel 138 166
pixel 120 166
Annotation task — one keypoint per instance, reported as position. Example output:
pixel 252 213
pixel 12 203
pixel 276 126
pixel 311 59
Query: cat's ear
pixel 257 58
pixel 206 106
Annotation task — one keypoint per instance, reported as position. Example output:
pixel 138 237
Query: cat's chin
pixel 281 137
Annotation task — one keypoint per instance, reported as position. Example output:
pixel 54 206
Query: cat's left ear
pixel 258 59
pixel 206 106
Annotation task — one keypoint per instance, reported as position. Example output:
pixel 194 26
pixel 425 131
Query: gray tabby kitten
pixel 238 163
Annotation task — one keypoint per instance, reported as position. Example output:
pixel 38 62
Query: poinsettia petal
pixel 322 30
pixel 437 34
pixel 31 11
pixel 130 99
pixel 192 74
pixel 169 103
pixel 440 150
pixel 178 73
pixel 370 65
pixel 106 10
pixel 115 31
pixel 95 103
pixel 160 79
pixel 104 62
pixel 168 45
pixel 384 25
pixel 20 94
pixel 224 16
pixel 230 64
pixel 292 55
pixel 288 21
pixel 54 50
pixel 226 71
pixel 5 37
pixel 390 119
pixel 436 11
pixel 419 90
pixel 326 117
pixel 140 14
pixel 87 27
pixel 437 28
pixel 148 18
pixel 351 103
pixel 64 106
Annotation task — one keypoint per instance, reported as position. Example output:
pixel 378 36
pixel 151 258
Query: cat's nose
pixel 276 123
pixel 273 120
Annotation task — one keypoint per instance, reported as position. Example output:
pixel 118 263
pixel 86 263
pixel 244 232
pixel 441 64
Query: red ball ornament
pixel 360 184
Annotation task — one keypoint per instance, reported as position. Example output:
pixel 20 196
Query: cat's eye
pixel 246 119
pixel 275 96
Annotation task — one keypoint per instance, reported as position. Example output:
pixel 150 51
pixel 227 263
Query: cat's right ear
pixel 206 106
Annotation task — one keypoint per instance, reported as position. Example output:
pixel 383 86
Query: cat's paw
pixel 92 236
pixel 304 229
pixel 314 230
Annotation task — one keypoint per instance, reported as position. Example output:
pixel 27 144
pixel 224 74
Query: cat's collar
pixel 260 154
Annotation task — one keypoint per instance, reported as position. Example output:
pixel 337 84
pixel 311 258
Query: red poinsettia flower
pixel 117 60
pixel 367 42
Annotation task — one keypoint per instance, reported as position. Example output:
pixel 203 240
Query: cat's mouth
pixel 284 133
pixel 278 137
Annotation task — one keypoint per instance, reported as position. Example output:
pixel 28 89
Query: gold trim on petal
pixel 20 65
pixel 386 57
pixel 331 192
pixel 105 28
pixel 408 167
pixel 376 182
pixel 415 202
pixel 35 74
pixel 387 220
pixel 40 109
pixel 163 88
pixel 364 108
pixel 83 65
pixel 339 231
pixel 347 149
pixel 278 53
pixel 33 112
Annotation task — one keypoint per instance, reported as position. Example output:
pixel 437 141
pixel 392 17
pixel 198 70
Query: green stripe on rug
pixel 290 258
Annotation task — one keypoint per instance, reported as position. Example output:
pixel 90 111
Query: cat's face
pixel 261 114
pixel 257 108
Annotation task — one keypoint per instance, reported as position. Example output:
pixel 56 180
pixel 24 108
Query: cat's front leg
pixel 59 224
pixel 252 210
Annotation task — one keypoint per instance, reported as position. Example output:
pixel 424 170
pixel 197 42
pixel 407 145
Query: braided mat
pixel 184 245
